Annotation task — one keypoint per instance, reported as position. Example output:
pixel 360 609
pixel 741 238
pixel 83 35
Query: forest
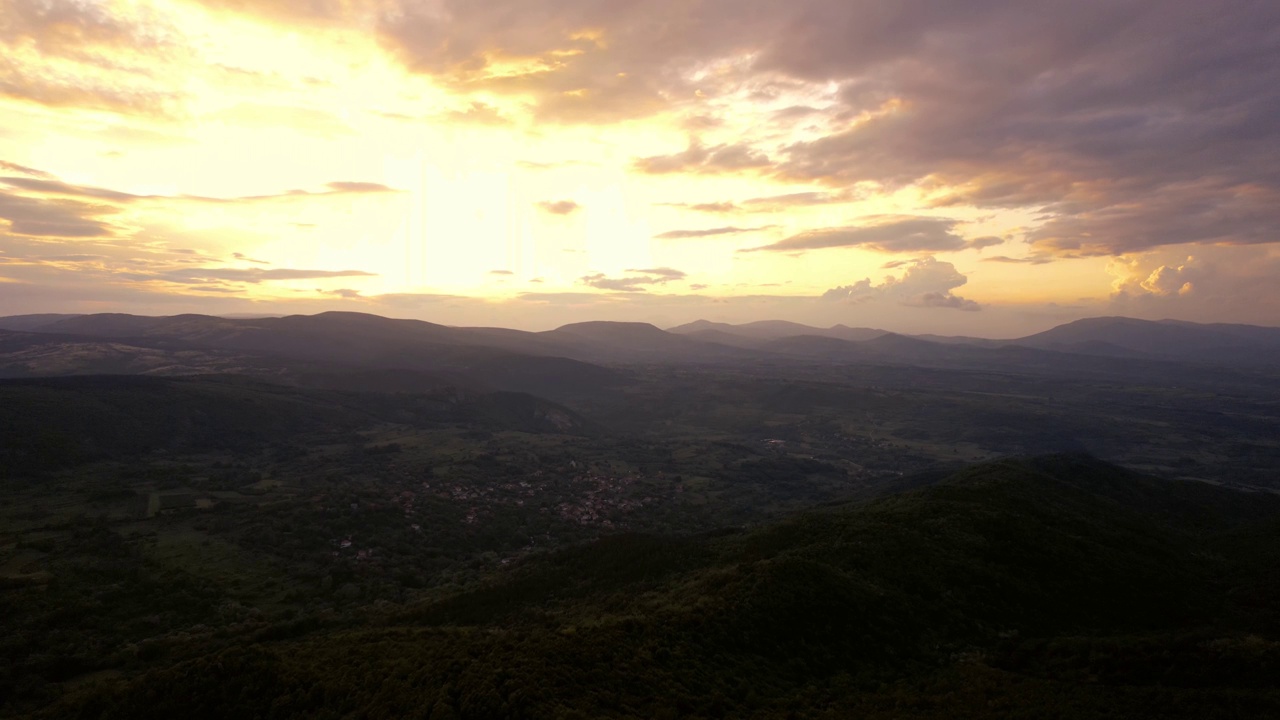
pixel 724 539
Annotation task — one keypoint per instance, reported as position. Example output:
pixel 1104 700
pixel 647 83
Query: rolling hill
pixel 48 423
pixel 1056 586
pixel 568 357
pixel 1173 340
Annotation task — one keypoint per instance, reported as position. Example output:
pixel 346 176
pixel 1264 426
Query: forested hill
pixel 1050 587
pixel 53 423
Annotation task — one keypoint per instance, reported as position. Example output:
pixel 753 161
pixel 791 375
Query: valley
pixel 475 504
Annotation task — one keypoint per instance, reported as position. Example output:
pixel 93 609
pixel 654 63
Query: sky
pixel 989 167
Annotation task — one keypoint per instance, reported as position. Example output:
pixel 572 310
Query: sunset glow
pixel 535 163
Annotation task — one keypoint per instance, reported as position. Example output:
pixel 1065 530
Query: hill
pixel 370 341
pixel 776 330
pixel 1055 586
pixel 276 347
pixel 31 322
pixel 636 342
pixel 1119 336
pixel 52 423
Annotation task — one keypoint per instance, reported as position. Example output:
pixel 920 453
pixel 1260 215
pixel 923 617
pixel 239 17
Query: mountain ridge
pixel 365 339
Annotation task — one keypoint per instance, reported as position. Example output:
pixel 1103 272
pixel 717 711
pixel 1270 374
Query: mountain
pixel 263 346
pixel 1113 337
pixel 31 322
pixel 961 340
pixel 1044 587
pixel 844 332
pixel 1173 340
pixel 48 423
pixel 775 330
pixel 636 342
pixel 569 357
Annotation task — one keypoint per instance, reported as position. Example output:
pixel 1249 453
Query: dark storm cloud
pixel 892 235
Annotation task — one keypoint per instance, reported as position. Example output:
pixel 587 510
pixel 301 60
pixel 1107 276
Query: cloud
pixel 1111 117
pixel 927 283
pixel 248 275
pixel 68 28
pixel 772 203
pixel 88 54
pixel 501 272
pixel 795 111
pixel 571 62
pixel 947 300
pixel 1029 260
pixel 55 217
pixel 55 187
pixel 559 207
pixel 1133 125
pixel 986 241
pixel 477 113
pixel 14 167
pixel 601 282
pixel 665 273
pixel 709 207
pixel 704 160
pixel 347 293
pixel 636 282
pixel 49 185
pixel 334 189
pixel 889 234
pixel 1195 282
pixel 359 187
pixel 708 232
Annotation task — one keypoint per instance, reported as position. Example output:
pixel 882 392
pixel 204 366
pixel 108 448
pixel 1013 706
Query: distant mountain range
pixel 1103 336
pixel 570 357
